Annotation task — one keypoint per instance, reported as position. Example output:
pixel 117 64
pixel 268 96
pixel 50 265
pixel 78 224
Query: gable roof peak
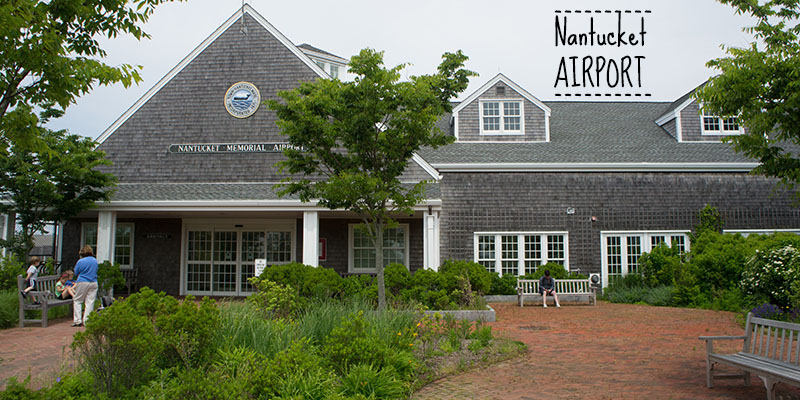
pixel 236 17
pixel 498 78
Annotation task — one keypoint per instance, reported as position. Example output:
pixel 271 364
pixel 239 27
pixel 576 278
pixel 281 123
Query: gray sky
pixel 516 38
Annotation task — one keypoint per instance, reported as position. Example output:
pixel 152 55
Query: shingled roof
pixel 591 132
pixel 214 192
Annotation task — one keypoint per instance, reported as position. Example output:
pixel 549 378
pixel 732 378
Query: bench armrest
pixel 722 337
pixel 710 341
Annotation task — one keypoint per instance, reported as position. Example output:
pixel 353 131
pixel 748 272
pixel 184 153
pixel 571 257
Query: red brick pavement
pixel 41 352
pixel 611 351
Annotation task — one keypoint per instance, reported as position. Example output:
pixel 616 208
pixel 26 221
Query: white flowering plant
pixel 769 275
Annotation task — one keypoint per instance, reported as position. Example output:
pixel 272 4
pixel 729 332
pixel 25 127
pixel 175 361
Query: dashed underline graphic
pixel 603 94
pixel 603 11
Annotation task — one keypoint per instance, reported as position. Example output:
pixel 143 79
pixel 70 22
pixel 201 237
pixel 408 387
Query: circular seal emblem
pixel 242 99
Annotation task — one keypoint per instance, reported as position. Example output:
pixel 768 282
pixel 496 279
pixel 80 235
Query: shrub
pixel 295 372
pixel 362 286
pixel 557 271
pixel 662 266
pixel 118 348
pixel 9 308
pixel 507 284
pixel 187 331
pixel 352 343
pixel 109 276
pixel 275 299
pixel 396 278
pixel 770 275
pixel 717 260
pixel 307 280
pixel 479 278
pixel 10 268
pixel 768 311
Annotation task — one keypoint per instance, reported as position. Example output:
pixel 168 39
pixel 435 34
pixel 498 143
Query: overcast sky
pixel 516 38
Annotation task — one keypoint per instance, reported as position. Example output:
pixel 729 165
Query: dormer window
pixel 501 117
pixel 716 125
pixel 334 71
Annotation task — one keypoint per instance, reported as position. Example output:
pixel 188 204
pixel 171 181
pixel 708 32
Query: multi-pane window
pixel 634 252
pixel 334 71
pixel 509 256
pixel 533 253
pixel 613 258
pixel 486 249
pixel 622 250
pixel 219 261
pixel 520 253
pixel 123 242
pixel 716 125
pixel 362 250
pixel 511 116
pixel 501 117
pixel 491 116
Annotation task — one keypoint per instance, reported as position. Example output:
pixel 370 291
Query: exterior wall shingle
pixel 469 121
pixel 474 202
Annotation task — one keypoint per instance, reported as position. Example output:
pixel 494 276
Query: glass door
pixel 253 247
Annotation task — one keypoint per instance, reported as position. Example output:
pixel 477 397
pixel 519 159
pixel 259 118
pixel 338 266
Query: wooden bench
pixel 44 293
pixel 568 290
pixel 131 279
pixel 771 351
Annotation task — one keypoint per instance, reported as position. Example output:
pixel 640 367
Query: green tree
pixel 51 185
pixel 354 139
pixel 49 57
pixel 761 85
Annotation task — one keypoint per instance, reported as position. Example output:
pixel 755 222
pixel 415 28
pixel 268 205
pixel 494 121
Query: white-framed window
pixel 716 125
pixel 748 232
pixel 123 242
pixel 501 117
pixel 334 71
pixel 520 253
pixel 219 256
pixel 362 252
pixel 621 250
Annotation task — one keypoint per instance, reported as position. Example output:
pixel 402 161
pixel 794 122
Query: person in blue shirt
pixel 85 286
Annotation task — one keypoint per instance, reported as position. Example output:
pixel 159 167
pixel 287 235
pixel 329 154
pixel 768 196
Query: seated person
pixel 63 289
pixel 548 286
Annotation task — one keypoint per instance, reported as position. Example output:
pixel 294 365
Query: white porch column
pixel 311 238
pixel 106 229
pixel 430 228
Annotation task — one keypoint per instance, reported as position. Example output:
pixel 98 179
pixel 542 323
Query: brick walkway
pixel 42 353
pixel 611 351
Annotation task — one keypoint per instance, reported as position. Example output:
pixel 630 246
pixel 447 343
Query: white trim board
pixel 509 82
pixel 230 205
pixel 595 167
pixel 245 9
pixel 427 167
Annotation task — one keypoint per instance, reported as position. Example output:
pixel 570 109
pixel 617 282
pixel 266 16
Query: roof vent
pixel 501 90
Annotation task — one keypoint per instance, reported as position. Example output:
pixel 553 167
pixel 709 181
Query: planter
pixel 486 315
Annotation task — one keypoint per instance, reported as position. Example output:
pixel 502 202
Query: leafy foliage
pixel 760 84
pixel 52 183
pixel 118 348
pixel 275 299
pixel 50 55
pixel 662 266
pixel 770 275
pixel 109 275
pixel 307 280
pixel 353 140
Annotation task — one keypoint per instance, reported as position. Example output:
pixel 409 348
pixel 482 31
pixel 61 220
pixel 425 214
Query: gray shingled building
pixel 590 185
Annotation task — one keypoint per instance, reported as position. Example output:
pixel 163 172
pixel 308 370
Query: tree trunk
pixel 379 265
